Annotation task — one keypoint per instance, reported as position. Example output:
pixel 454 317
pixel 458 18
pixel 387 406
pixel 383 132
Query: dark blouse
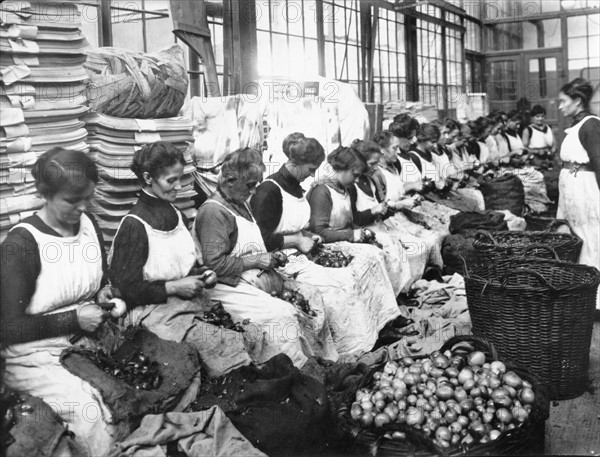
pixel 217 232
pixel 319 198
pixel 130 251
pixel 20 267
pixel 267 205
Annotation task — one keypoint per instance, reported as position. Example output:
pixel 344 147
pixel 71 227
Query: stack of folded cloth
pixel 42 81
pixel 113 141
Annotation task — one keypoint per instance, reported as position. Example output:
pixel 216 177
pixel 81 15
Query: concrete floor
pixel 574 425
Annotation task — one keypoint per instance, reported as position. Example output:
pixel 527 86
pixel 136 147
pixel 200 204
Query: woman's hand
pixel 305 244
pixel 414 186
pixel 380 209
pixel 358 235
pixel 264 261
pixel 105 294
pixel 186 287
pixel 91 316
pixel 208 278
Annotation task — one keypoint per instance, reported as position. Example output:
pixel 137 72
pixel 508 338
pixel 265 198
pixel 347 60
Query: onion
pixel 494 434
pixel 527 396
pixel 504 415
pixel 366 419
pixel 498 367
pixel 456 427
pixel 476 358
pixel 356 411
pixel 444 392
pixel 466 374
pixel 436 372
pixel 381 419
pixel 414 416
pixel 512 379
pixel 443 433
pixel 520 414
pixel 391 367
pixel 441 361
pixel 410 379
pixel 451 372
pixel 400 436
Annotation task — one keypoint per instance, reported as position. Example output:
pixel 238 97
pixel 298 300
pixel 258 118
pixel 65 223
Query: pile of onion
pixel 455 400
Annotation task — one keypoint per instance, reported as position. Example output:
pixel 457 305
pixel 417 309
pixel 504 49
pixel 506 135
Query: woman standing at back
pixel 579 181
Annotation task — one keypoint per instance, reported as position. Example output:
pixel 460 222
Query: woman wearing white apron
pixel 423 246
pixel 579 201
pixel 152 262
pixel 231 243
pixel 52 270
pixel 369 209
pixel 358 324
pixel 283 214
pixel 538 137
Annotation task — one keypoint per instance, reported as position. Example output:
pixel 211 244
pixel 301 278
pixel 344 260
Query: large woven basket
pixel 538 313
pixel 498 247
pixel 528 438
pixel 538 223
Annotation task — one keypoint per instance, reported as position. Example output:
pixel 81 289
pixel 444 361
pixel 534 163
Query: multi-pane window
pixel 341 21
pixel 430 61
pixel 440 58
pixel 286 33
pixel 583 51
pixel 389 72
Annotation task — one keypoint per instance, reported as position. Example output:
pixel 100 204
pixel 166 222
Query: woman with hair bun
pixel 52 275
pixel 230 242
pixel 153 263
pixel 579 181
pixel 373 302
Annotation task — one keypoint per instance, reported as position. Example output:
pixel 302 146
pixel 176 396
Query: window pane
pixel 577 48
pixel 576 26
pixel 262 15
pixel 329 60
pixel 293 17
pixel 264 53
pixel 310 19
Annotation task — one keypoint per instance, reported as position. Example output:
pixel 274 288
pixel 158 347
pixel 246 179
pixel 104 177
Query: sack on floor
pixel 274 405
pixel 468 223
pixel 456 250
pixel 177 364
pixel 503 192
pixel 31 428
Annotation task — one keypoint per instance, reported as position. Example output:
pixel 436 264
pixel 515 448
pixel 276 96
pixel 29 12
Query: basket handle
pixel 533 246
pixel 539 277
pixel 482 233
pixel 557 223
pixel 478 340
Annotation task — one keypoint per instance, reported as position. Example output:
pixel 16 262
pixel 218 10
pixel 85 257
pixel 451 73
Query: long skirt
pixel 579 204
pixel 359 299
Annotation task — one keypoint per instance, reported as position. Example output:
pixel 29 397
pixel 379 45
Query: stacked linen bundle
pixel 113 141
pixel 42 79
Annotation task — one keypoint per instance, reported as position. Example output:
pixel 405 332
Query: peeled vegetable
pixel 458 401
pixel 119 309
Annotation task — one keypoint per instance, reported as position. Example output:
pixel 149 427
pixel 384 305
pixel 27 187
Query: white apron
pixel 336 285
pixel 71 273
pixel 515 143
pixel 171 256
pixel 540 139
pixel 484 152
pixel 371 304
pixel 398 268
pixel 579 198
pixel 276 326
pixel 421 246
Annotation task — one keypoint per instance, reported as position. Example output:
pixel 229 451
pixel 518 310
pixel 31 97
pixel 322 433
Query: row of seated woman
pixel 56 274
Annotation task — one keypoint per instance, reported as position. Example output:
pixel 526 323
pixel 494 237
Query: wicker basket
pixel 542 223
pixel 538 313
pixel 525 439
pixel 500 246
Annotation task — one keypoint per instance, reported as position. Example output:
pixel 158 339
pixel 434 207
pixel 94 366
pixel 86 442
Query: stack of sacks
pixel 113 141
pixel 42 80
